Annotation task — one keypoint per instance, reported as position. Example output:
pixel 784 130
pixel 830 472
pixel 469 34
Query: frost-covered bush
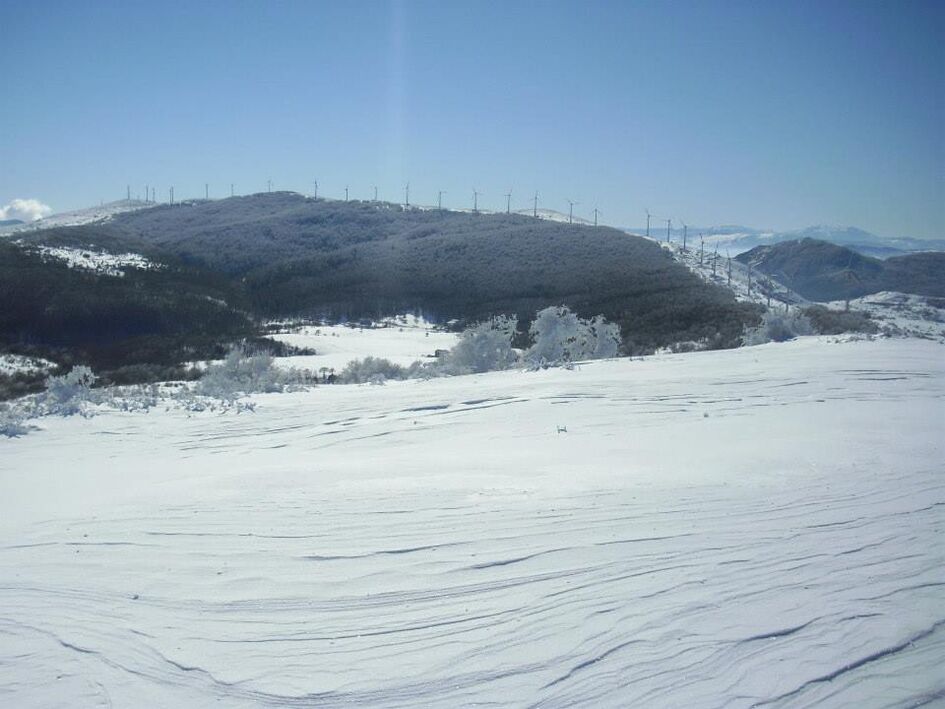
pixel 12 422
pixel 243 373
pixel 485 347
pixel 560 337
pixel 778 327
pixel 371 370
pixel 66 395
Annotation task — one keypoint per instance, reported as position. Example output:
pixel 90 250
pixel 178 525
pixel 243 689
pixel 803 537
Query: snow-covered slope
pixel 747 285
pixel 97 260
pixel 758 527
pixel 80 216
pixel 901 314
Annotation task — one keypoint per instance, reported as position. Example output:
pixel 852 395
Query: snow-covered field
pixel 401 342
pixel 757 527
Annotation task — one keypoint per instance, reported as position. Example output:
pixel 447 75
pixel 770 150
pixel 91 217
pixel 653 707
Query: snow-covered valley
pixel 754 527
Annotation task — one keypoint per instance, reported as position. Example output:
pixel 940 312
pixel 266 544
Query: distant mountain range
pixel 11 222
pixel 822 271
pixel 736 239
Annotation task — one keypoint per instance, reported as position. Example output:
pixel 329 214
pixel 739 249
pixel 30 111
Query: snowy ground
pixel 757 527
pixel 401 342
pixel 901 314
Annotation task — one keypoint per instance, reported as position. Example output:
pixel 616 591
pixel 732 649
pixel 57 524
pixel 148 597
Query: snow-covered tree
pixel 485 347
pixel 560 336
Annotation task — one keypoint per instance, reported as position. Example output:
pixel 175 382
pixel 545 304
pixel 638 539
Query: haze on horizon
pixel 774 115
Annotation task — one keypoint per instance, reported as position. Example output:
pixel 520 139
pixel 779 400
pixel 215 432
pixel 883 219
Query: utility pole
pixel 439 200
pixel 596 210
pixel 571 211
pixel 508 202
pixel 535 212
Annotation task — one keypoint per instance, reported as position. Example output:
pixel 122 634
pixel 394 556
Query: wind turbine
pixel 535 212
pixel 346 193
pixel 508 202
pixel 439 199
pixel 669 224
pixel 375 192
pixel 268 185
pixel 407 195
pixel 571 204
pixel 596 212
pixel 316 190
pixel 684 232
pixel 648 223
pixel 475 201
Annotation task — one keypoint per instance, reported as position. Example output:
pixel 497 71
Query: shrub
pixel 65 395
pixel 485 347
pixel 778 327
pixel 834 322
pixel 560 336
pixel 243 373
pixel 371 370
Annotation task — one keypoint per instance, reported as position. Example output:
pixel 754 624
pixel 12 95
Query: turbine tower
pixel 648 223
pixel 407 195
pixel 316 190
pixel 596 212
pixel 439 200
pixel 475 201
pixel 346 193
pixel 535 212
pixel 508 202
pixel 669 224
pixel 571 204
pixel 375 192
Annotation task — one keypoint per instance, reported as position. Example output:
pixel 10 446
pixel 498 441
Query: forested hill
pixel 291 255
pixel 822 271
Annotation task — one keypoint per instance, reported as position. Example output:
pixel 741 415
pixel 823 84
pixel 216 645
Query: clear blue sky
pixel 771 114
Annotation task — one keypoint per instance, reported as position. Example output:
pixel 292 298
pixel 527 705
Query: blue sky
pixel 771 114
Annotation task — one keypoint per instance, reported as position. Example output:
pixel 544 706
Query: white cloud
pixel 27 210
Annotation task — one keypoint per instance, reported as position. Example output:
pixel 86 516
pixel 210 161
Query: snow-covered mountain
pixel 78 216
pixel 733 240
